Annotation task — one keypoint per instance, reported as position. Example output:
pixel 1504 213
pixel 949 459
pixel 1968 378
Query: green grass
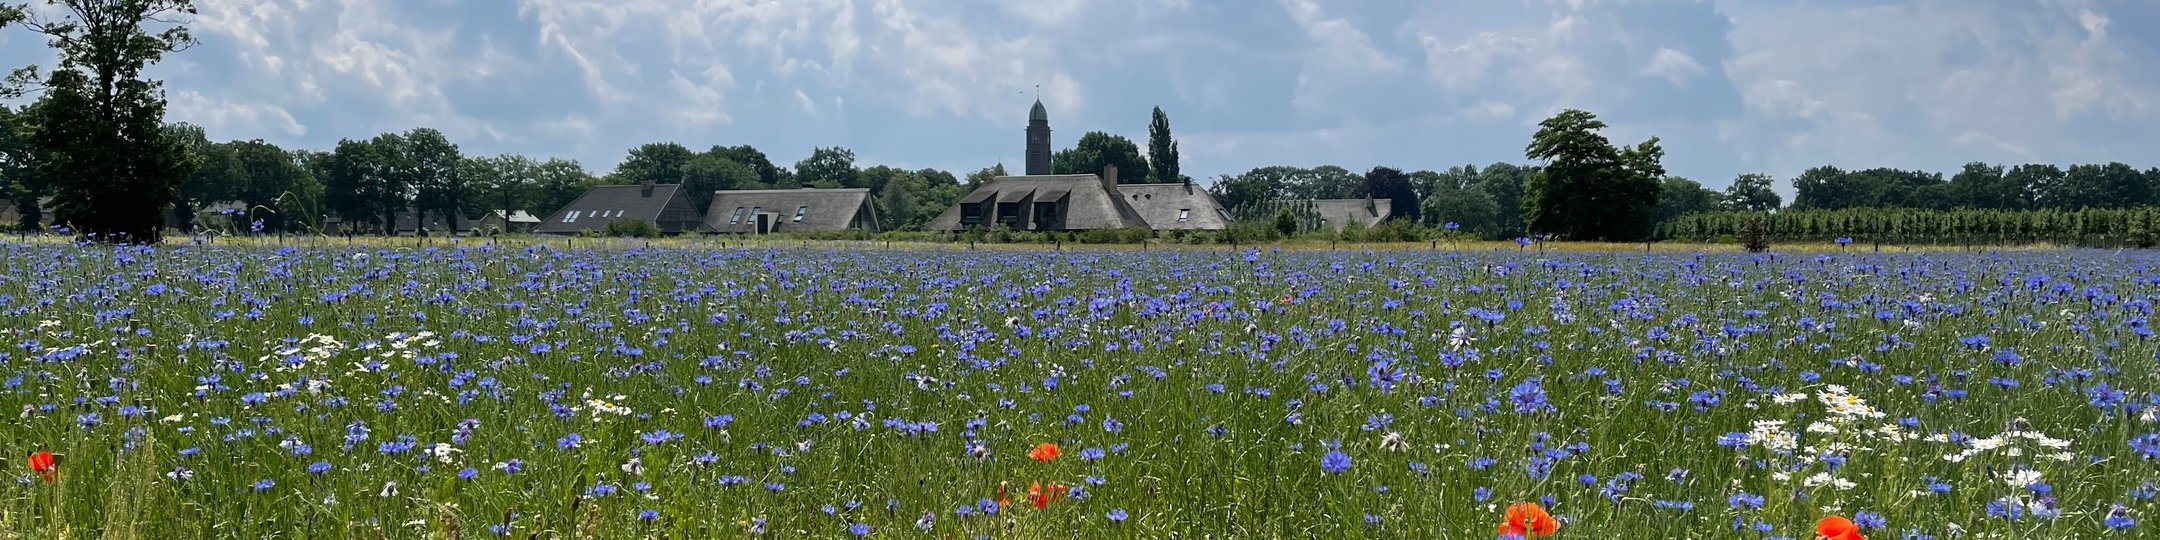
pixel 688 330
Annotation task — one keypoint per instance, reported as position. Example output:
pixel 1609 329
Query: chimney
pixel 645 187
pixel 1109 179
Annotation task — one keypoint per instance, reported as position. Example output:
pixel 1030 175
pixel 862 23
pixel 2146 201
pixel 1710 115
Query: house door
pixel 764 223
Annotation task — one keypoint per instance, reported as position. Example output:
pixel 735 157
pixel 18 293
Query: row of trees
pixel 1583 187
pixel 2106 227
pixel 1980 186
pixel 95 140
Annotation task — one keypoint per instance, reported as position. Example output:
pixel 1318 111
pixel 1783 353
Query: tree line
pixel 93 154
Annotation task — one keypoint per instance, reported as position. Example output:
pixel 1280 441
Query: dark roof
pixel 1088 205
pixel 662 205
pixel 822 210
pixel 1038 114
pixel 1161 204
pixel 1340 212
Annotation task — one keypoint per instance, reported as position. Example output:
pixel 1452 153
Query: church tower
pixel 1038 140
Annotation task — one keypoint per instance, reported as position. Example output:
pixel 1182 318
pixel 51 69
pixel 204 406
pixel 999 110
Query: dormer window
pixel 738 215
pixel 799 211
pixel 1183 214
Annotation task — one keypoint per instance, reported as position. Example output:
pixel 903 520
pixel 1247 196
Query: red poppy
pixel 1528 520
pixel 1001 500
pixel 42 462
pixel 1044 452
pixel 1042 498
pixel 1837 528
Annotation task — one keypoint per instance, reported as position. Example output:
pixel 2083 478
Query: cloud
pixel 1934 84
pixel 231 119
pixel 1673 65
pixel 1731 85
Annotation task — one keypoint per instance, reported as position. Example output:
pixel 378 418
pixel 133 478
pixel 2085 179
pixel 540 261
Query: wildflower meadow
pixel 481 391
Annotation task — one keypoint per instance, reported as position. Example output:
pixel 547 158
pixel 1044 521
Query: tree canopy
pixel 100 134
pixel 1095 150
pixel 1588 189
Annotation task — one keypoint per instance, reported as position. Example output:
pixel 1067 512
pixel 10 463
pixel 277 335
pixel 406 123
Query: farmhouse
pixel 662 205
pixel 513 221
pixel 1338 213
pixel 761 211
pixel 1040 201
pixel 1175 206
pixel 1055 202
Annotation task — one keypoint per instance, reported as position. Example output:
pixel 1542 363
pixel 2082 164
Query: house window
pixel 755 210
pixel 1182 213
pixel 570 217
pixel 738 215
pixel 971 214
pixel 799 211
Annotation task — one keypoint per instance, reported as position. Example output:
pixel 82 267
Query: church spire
pixel 1038 138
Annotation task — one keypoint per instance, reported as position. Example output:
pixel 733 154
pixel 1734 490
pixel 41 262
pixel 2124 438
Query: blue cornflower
pixel 1869 520
pixel 468 473
pixel 1335 462
pixel 859 529
pixel 1745 501
pixel 1116 515
pixel 264 484
pixel 648 515
pixel 2147 445
pixel 1529 397
pixel 318 467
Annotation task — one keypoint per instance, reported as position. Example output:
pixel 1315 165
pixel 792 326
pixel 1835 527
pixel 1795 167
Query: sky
pixel 1730 87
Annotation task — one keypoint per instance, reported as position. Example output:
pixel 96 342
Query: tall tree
pixel 659 163
pixel 711 172
pixel 984 176
pixel 767 174
pixel 2040 183
pixel 507 183
pixel 1162 151
pixel 19 181
pixel 1680 196
pixel 370 181
pixel 1980 185
pixel 2113 185
pixel 1588 189
pixel 1235 192
pixel 1095 150
pixel 1391 184
pixel 1472 210
pixel 215 179
pixel 271 185
pixel 1505 183
pixel 834 165
pixel 101 136
pixel 438 188
pixel 1750 192
pixel 559 181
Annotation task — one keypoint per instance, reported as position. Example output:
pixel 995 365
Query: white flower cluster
pixel 2008 444
pixel 311 349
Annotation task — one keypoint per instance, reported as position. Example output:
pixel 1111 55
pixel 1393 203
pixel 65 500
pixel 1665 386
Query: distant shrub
pixel 632 228
pixel 1753 237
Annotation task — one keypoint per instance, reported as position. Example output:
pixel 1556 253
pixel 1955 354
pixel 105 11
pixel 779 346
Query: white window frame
pixel 1183 214
pixel 570 217
pixel 799 211
pixel 738 215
